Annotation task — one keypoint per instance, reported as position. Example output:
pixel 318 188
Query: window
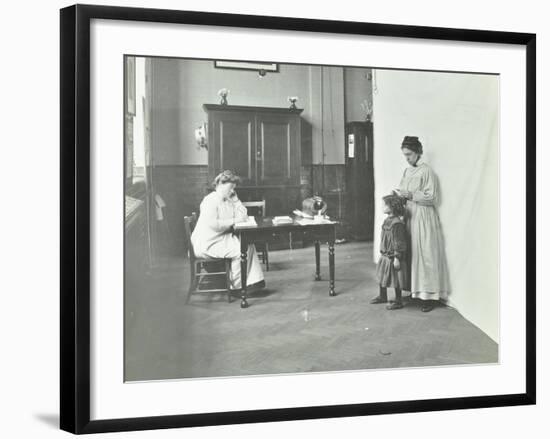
pixel 135 119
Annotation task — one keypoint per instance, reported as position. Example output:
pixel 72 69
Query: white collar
pixel 220 196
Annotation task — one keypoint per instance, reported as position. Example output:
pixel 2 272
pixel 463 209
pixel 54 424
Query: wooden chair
pixel 200 266
pixel 261 246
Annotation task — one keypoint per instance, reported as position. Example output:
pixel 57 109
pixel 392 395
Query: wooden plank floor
pixel 291 326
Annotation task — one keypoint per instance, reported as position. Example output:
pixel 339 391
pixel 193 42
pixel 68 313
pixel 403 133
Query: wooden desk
pixel 266 229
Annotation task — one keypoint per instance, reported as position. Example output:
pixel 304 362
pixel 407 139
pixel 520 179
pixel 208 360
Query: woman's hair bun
pixel 412 143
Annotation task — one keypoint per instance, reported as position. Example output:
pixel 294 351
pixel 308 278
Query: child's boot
pixel 382 297
pixel 398 303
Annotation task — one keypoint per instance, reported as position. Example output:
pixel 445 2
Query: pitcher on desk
pixel 219 212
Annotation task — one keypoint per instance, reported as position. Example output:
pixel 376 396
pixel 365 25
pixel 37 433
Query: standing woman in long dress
pixel 429 277
pixel 213 235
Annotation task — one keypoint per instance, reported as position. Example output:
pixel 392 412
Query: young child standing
pixel 391 270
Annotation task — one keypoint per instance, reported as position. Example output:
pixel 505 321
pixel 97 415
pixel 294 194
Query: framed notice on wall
pixel 351 146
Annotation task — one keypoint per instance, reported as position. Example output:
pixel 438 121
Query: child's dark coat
pixel 393 244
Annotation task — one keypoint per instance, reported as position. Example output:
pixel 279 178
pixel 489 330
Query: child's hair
pixel 396 204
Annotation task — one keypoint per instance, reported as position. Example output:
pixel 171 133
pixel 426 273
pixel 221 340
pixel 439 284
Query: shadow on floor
pixel 51 420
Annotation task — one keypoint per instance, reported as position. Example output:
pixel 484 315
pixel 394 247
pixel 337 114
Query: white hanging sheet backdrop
pixel 456 117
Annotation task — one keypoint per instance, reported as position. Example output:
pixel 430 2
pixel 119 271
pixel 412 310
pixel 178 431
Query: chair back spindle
pixel 199 270
pixel 189 223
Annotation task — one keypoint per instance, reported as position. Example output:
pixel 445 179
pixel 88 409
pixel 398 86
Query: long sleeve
pixel 209 211
pixel 241 214
pixel 402 184
pixel 427 195
pixel 399 241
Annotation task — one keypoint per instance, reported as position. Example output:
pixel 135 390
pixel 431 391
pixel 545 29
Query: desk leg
pixel 331 266
pixel 244 270
pixel 317 260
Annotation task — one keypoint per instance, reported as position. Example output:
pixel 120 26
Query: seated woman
pixel 213 237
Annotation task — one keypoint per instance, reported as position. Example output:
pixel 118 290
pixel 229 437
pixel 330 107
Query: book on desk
pixel 285 219
pixel 250 222
pixel 308 221
pixel 305 219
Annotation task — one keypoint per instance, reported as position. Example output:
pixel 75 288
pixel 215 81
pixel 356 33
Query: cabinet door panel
pixel 278 146
pixel 235 141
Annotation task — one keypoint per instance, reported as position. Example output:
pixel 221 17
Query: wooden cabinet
pixel 263 146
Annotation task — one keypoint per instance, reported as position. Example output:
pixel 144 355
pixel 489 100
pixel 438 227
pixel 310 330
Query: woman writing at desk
pixel 219 212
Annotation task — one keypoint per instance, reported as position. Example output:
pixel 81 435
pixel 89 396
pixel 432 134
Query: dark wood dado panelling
pixel 329 181
pixel 326 178
pixel 279 200
pixel 182 187
pixel 136 245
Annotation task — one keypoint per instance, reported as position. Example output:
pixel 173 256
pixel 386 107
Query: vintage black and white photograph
pixel 293 218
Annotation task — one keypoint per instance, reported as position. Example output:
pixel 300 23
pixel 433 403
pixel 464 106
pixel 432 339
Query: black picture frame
pixel 75 217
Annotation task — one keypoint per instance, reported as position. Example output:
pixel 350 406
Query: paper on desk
pixel 298 212
pixel 307 222
pixel 250 222
pixel 282 220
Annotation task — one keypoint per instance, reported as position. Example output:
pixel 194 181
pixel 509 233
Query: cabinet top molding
pixel 218 107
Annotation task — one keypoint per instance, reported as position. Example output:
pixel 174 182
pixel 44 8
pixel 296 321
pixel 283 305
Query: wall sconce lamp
pixel 201 136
